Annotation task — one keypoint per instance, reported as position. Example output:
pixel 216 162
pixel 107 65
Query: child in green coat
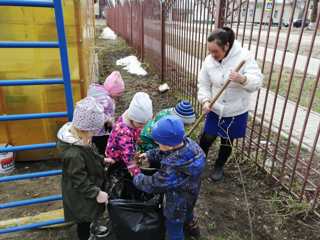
pixel 183 110
pixel 83 168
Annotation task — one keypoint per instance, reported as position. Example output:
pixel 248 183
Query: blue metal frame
pixel 28 147
pixel 29 116
pixel 62 45
pixel 64 57
pixel 14 44
pixel 32 226
pixel 31 82
pixel 66 80
pixel 34 175
pixel 28 202
pixel 27 3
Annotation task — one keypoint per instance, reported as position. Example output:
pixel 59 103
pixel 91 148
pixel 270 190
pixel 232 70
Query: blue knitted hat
pixel 185 111
pixel 169 130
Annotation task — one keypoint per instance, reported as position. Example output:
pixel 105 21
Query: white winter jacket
pixel 213 74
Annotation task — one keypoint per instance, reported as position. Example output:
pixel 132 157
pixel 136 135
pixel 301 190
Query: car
pixel 298 23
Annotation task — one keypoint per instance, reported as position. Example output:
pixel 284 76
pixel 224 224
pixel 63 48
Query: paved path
pixel 310 129
pixel 301 62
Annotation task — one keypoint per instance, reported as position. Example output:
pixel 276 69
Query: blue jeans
pixel 174 228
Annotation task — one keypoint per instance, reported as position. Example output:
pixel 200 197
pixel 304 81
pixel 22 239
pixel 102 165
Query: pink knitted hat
pixel 114 84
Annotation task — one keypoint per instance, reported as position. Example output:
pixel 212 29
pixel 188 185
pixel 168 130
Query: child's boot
pixel 217 173
pixel 192 228
pixel 98 231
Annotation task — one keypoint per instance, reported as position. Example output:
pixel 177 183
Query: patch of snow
pixel 107 33
pixel 127 60
pixel 132 65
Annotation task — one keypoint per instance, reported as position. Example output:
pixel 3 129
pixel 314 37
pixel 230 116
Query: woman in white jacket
pixel 228 117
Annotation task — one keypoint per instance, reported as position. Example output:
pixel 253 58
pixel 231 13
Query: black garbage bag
pixel 131 219
pixel 133 214
pixel 119 184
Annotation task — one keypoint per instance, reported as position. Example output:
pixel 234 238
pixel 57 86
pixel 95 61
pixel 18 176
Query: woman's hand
pixel 237 77
pixel 206 107
pixel 102 197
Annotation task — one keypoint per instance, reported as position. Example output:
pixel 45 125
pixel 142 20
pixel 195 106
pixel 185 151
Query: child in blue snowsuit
pixel 182 163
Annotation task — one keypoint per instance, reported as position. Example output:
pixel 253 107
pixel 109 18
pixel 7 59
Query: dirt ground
pixel 222 208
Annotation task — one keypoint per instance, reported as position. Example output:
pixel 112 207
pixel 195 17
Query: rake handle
pixel 213 101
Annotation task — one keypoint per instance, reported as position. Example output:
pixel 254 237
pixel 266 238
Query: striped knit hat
pixel 185 111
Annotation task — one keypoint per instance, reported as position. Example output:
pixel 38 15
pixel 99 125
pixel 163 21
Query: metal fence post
pixel 219 13
pixel 142 30
pixel 163 43
pixel 318 14
pixel 131 37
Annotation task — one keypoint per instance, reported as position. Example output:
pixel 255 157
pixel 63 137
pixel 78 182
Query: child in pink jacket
pixel 126 131
pixel 105 94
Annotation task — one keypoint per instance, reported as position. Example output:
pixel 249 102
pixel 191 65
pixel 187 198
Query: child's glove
pixel 133 169
pixel 102 197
